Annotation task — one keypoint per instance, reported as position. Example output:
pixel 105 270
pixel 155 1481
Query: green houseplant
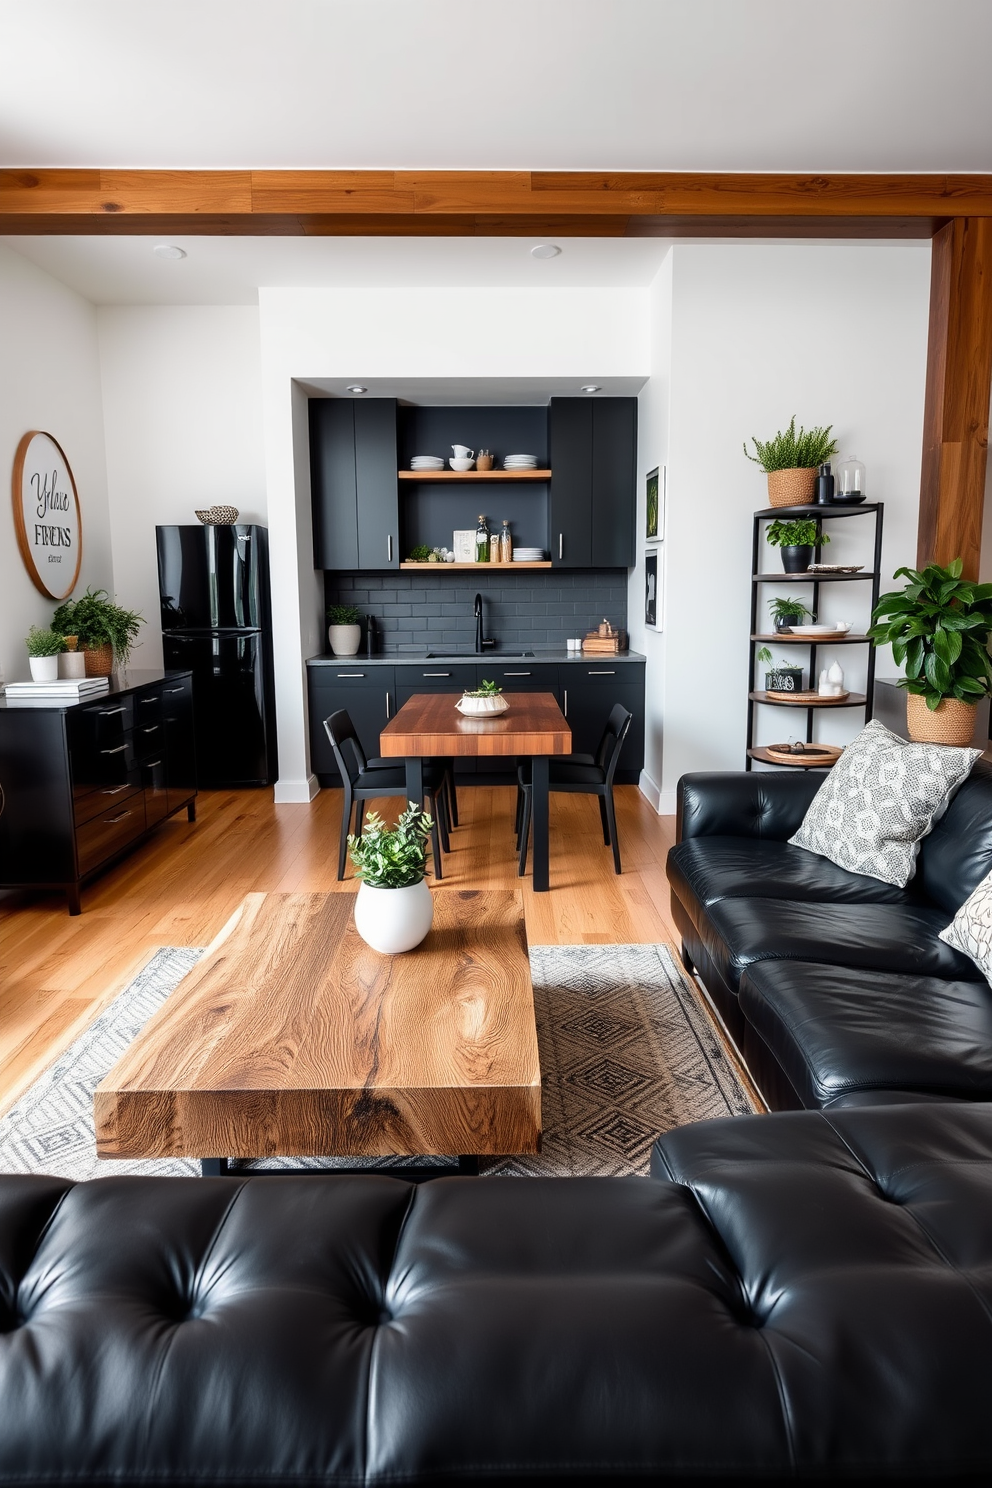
pixel 344 631
pixel 781 676
pixel 107 632
pixel 44 648
pixel 797 539
pixel 486 698
pixel 938 626
pixel 790 461
pixel 786 612
pixel 394 909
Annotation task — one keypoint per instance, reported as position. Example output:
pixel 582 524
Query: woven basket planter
pixel 791 487
pixel 953 722
pixel 99 661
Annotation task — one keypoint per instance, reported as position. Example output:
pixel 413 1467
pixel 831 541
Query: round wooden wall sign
pixel 46 515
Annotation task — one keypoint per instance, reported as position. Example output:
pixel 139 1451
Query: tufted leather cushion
pixel 745 803
pixel 837 1030
pixel 957 854
pixel 885 937
pixel 706 869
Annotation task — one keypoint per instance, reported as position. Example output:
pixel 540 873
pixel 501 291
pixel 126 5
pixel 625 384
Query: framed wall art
pixel 47 518
pixel 653 611
pixel 655 483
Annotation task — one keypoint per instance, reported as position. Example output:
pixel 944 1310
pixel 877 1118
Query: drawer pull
pixel 151 764
pixel 110 820
pixel 174 689
pixel 150 728
pixel 565 709
pixel 517 674
pixel 350 674
pixel 435 674
pixel 119 750
pixel 114 790
pixel 109 712
pixel 600 674
pixel 145 701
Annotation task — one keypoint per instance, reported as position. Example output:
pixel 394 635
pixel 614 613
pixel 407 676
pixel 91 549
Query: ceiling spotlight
pixel 591 387
pixel 168 250
pixel 356 387
pixel 545 250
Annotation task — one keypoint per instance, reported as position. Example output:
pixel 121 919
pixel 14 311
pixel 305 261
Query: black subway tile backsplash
pixel 539 607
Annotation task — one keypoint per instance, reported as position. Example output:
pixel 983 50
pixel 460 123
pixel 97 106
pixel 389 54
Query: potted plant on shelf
pixel 791 460
pixel 107 632
pixel 788 612
pixel 44 649
pixel 484 699
pixel 797 539
pixel 344 631
pixel 938 626
pixel 393 909
pixel 782 676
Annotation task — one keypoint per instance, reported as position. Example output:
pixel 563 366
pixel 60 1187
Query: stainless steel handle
pixel 565 709
pixel 151 764
pixel 151 728
pixel 388 714
pixel 114 790
pixel 109 712
pixel 175 689
pixel 435 674
pixel 119 750
pixel 600 674
pixel 389 548
pixel 561 545
pixel 111 819
pixel 145 701
pixel 350 674
pixel 518 674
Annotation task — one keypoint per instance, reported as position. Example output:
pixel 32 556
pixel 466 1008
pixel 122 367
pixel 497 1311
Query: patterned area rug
pixel 627 1051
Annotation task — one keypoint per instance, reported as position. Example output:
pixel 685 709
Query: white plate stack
pixel 528 555
pixel 426 462
pixel 520 462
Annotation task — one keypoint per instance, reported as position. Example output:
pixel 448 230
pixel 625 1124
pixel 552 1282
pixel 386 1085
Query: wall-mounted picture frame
pixel 654 504
pixel 47 519
pixel 653 610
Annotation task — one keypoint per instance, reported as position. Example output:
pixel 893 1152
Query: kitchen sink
pixel 477 656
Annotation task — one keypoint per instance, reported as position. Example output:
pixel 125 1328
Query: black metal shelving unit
pixel 873 575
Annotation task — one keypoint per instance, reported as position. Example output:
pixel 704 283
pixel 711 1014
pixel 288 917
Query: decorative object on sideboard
pixel 791 461
pixel 44 648
pixel 344 631
pixel 654 503
pixel 72 661
pixel 786 613
pixel 217 516
pixel 797 540
pixel 47 517
pixel 106 631
pixel 780 676
pixel 938 626
pixel 483 700
pixel 850 489
pixel 393 909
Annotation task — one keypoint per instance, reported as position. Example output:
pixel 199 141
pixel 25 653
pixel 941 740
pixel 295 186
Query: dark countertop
pixel 121 683
pixel 470 658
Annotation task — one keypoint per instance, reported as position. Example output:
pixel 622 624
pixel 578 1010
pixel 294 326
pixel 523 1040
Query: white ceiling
pixel 792 85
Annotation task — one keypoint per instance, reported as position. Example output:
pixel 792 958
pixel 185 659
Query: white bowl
pixel 840 627
pixel 475 706
pixel 460 464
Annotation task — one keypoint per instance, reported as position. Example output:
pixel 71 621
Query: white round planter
pixel 473 707
pixel 345 639
pixel 394 920
pixel 44 668
pixel 72 664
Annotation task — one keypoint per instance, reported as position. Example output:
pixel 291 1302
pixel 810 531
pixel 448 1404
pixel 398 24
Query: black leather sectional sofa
pixel 835 986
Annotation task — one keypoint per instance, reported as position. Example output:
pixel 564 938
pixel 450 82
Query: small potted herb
pixel 781 676
pixel 788 612
pixel 484 699
pixel 106 631
pixel 394 909
pixel 797 539
pixel 791 460
pixel 44 649
pixel 344 632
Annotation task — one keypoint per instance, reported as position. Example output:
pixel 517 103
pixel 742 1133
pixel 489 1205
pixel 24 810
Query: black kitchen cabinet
pixel 82 783
pixel 367 695
pixel 589 692
pixel 593 448
pixel 180 739
pixel 355 492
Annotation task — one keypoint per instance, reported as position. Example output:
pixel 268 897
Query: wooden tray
pixel 805 698
pixel 813 754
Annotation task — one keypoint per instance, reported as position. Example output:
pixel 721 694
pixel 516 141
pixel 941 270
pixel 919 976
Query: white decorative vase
pixel 475 707
pixel 44 668
pixel 394 920
pixel 72 664
pixel 345 639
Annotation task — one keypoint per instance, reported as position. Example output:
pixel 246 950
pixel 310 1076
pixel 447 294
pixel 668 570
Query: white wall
pixel 183 409
pixel 402 333
pixel 49 379
pixel 835 334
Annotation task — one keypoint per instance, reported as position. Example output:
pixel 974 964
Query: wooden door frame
pixel 955 211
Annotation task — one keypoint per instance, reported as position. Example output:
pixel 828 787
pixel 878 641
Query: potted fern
pixel 394 909
pixel 106 631
pixel 344 631
pixel 790 460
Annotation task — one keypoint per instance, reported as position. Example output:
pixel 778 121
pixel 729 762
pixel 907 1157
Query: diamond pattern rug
pixel 627 1051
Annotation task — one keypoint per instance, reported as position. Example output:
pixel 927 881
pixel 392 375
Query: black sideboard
pixel 81 783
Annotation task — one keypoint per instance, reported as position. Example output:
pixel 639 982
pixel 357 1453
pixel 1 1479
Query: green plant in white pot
pixel 344 631
pixel 44 648
pixel 394 909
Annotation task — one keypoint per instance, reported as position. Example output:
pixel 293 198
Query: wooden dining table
pixel 429 726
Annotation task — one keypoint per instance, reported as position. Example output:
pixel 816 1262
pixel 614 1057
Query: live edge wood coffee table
pixel 292 1037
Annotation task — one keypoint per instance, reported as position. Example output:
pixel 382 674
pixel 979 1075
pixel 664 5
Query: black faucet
pixel 482 642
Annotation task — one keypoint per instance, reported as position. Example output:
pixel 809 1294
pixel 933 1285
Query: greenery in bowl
pixel 343 615
pixel 393 859
pixel 791 451
pixel 783 610
pixel 484 690
pixel 44 642
pixel 799 533
pixel 939 627
pixel 98 621
pixel 420 553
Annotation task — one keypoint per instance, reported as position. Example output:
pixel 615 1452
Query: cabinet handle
pixel 145 701
pixel 114 790
pixel 435 674
pixel 151 764
pixel 349 674
pixel 175 689
pixel 561 545
pixel 151 728
pixel 565 709
pixel 119 750
pixel 517 674
pixel 111 819
pixel 109 712
pixel 388 714
pixel 389 548
pixel 600 674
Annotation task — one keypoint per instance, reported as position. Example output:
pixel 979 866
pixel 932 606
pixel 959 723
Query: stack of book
pixel 65 691
pixel 595 644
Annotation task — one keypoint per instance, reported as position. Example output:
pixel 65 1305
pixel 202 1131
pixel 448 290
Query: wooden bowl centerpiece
pixel 483 701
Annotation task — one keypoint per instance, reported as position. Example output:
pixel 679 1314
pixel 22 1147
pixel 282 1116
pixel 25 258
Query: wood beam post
pixel 956 410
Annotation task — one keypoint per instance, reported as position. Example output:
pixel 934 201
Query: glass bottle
pixel 506 543
pixel 482 540
pixel 494 548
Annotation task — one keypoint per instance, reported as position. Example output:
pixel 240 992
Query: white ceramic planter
pixel 394 920
pixel 472 707
pixel 44 668
pixel 345 639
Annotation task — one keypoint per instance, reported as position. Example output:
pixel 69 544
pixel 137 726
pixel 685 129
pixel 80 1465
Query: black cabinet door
pixel 377 484
pixel 589 693
pixel 570 448
pixel 230 721
pixel 366 696
pixel 333 483
pixel 179 736
pixel 614 486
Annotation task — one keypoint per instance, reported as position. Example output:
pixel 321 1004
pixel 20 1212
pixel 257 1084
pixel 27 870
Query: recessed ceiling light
pixel 592 387
pixel 355 387
pixel 168 250
pixel 545 250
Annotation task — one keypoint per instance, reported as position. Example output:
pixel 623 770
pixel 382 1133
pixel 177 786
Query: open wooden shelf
pixel 478 567
pixel 474 475
pixel 760 753
pixel 795 640
pixel 853 700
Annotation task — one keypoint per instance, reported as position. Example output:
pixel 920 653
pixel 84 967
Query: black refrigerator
pixel 217 622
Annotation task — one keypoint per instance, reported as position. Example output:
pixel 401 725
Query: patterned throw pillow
pixel 881 797
pixel 970 930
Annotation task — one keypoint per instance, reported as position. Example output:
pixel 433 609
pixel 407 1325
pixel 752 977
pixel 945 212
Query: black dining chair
pixel 584 774
pixel 365 779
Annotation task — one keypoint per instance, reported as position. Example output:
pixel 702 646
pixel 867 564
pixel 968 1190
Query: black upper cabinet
pixel 593 497
pixel 353 464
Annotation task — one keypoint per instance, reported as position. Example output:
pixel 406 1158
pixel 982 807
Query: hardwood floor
pixel 57 972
